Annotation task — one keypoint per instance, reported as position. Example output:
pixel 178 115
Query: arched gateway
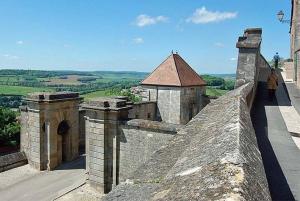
pixel 50 129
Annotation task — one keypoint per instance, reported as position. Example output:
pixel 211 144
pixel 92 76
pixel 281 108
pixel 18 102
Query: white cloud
pixel 138 40
pixel 233 59
pixel 218 44
pixel 145 20
pixel 203 16
pixel 20 42
pixel 8 56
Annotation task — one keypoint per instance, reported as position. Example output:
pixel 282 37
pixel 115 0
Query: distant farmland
pixel 20 90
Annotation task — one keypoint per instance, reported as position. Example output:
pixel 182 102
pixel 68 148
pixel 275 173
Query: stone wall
pixel 139 139
pixel 215 156
pixel 192 101
pixel 143 110
pixel 289 70
pixel 12 160
pixel 176 104
pixel 168 104
pixel 31 137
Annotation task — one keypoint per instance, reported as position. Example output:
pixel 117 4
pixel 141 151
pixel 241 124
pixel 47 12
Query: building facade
pixel 177 89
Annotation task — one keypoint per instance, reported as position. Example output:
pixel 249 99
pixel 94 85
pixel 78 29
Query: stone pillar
pixel 249 52
pixel 103 117
pixel 50 129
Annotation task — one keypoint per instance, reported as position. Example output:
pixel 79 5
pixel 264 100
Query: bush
pixel 9 127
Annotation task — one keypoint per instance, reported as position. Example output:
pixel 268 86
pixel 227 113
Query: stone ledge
pixel 13 160
pixel 106 103
pixel 51 96
pixel 144 103
pixel 251 39
pixel 153 125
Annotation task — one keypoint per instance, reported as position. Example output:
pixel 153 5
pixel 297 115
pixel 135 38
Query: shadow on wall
pixel 277 182
pixel 78 163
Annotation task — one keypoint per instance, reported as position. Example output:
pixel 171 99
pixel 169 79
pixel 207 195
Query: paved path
pixel 281 156
pixel 45 185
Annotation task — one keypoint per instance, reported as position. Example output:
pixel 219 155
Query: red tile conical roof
pixel 174 71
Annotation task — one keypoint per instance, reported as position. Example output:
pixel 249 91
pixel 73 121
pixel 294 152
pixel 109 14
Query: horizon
pixel 113 71
pixel 134 35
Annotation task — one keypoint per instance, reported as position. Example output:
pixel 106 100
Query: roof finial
pixel 176 51
pixel 172 52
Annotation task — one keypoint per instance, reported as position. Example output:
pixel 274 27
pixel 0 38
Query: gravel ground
pixel 83 193
pixel 16 175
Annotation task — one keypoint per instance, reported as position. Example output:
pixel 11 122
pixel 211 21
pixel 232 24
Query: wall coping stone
pixel 251 39
pixel 154 125
pixel 52 96
pixel 106 103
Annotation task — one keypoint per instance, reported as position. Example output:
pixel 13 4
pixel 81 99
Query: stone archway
pixel 62 140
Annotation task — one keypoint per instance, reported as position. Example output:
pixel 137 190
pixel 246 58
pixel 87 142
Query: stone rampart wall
pixel 214 157
pixel 139 139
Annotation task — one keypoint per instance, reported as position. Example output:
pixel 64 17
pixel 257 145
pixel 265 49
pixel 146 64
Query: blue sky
pixel 134 35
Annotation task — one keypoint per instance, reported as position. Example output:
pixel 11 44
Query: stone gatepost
pixel 103 117
pixel 50 129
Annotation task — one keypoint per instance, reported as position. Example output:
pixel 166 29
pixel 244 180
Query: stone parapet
pixel 251 39
pixel 249 56
pixel 154 125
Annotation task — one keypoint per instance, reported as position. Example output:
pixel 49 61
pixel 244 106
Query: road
pixel 45 185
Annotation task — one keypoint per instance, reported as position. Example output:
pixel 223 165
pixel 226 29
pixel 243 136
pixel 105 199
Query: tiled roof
pixel 174 71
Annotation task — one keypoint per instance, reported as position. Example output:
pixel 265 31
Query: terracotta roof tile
pixel 174 71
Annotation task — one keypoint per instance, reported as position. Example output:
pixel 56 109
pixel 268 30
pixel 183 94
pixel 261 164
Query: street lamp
pixel 280 16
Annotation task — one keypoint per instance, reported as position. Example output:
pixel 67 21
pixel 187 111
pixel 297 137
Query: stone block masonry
pixel 139 139
pixel 103 119
pixel 12 160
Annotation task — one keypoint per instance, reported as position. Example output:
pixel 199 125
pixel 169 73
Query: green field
pixel 95 94
pixel 19 90
pixel 215 92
